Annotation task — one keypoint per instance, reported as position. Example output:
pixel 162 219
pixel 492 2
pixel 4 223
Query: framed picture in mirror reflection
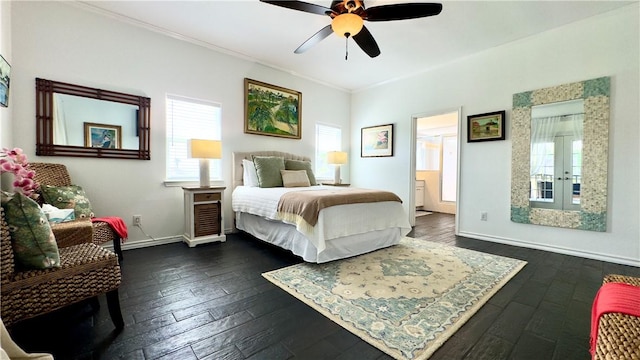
pixel 102 136
pixel 5 70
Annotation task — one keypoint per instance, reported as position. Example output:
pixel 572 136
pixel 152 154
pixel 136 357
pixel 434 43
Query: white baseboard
pixel 143 243
pixel 556 249
pixel 137 244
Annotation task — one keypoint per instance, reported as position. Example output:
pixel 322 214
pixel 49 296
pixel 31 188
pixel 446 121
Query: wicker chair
pixel 87 270
pixel 57 175
pixel 618 334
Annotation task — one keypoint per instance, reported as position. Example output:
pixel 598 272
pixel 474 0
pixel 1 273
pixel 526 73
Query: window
pixel 440 153
pixel 557 184
pixel 190 119
pixel 428 153
pixel 328 138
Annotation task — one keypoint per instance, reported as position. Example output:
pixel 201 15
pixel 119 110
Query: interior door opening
pixel 436 163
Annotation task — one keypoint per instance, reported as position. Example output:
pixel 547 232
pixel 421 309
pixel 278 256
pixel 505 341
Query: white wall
pixel 606 45
pixel 58 41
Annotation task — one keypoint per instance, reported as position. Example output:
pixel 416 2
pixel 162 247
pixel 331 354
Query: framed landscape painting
pixel 485 127
pixel 377 141
pixel 272 110
pixel 102 136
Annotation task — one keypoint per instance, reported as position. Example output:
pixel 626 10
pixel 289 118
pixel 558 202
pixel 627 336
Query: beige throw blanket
pixel 306 205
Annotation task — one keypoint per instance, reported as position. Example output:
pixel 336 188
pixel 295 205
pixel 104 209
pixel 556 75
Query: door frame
pixel 412 177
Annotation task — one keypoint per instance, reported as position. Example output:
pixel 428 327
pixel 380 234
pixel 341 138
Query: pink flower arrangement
pixel 15 161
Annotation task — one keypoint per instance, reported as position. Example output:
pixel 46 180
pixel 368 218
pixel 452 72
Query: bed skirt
pixel 287 237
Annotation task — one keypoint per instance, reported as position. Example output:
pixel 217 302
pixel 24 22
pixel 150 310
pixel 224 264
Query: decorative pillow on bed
pixel 301 165
pixel 268 170
pixel 294 178
pixel 249 174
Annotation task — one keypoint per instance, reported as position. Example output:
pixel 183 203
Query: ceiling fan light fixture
pixel 347 24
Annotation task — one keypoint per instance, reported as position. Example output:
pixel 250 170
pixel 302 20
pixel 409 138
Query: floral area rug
pixel 406 300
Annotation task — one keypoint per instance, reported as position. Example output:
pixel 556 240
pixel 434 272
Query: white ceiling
pixel 269 34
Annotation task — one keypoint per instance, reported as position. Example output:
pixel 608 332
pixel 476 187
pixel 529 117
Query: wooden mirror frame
pixel 44 121
pixel 593 203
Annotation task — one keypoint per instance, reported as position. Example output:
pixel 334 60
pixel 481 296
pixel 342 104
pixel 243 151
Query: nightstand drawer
pixel 206 197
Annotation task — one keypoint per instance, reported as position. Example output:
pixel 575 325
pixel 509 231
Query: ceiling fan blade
pixel 316 38
pixel 367 43
pixel 301 6
pixel 402 11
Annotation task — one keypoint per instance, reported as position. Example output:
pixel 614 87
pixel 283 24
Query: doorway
pixel 436 159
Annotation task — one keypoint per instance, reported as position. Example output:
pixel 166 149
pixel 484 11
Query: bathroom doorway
pixel 436 163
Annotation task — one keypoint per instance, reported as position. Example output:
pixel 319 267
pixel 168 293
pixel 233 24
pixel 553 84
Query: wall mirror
pixel 74 120
pixel 560 141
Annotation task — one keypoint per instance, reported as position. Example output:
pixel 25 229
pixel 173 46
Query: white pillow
pixel 295 178
pixel 249 174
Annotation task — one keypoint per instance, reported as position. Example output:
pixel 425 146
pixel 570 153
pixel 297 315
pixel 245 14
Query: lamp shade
pixel 336 157
pixel 205 149
pixel 347 24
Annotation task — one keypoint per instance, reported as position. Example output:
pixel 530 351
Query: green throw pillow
pixel 68 197
pixel 301 165
pixel 268 170
pixel 34 245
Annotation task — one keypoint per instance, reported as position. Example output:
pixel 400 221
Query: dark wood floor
pixel 210 302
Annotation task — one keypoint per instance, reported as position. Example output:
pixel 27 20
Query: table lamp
pixel 337 158
pixel 205 150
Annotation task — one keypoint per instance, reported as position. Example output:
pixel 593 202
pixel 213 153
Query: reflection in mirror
pixel 72 112
pixel 556 155
pixel 74 120
pixel 560 140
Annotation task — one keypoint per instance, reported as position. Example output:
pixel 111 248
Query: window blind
pixel 190 119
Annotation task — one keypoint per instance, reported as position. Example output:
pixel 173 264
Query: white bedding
pixel 336 222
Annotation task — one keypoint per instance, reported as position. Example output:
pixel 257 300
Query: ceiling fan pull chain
pixel 346 46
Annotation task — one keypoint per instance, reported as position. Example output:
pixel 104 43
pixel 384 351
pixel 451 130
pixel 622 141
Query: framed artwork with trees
pixel 272 110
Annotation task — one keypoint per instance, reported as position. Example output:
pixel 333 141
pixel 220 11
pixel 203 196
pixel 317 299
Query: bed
pixel 339 231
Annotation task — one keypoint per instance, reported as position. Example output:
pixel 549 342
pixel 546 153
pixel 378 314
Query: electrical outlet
pixel 483 216
pixel 137 220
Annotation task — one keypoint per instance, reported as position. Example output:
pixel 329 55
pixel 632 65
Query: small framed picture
pixel 102 136
pixel 272 110
pixel 485 127
pixel 5 79
pixel 377 141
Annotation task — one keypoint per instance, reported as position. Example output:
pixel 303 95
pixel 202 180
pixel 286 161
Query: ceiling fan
pixel 348 19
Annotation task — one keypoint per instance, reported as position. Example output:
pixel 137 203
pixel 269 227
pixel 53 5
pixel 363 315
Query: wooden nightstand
pixel 203 215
